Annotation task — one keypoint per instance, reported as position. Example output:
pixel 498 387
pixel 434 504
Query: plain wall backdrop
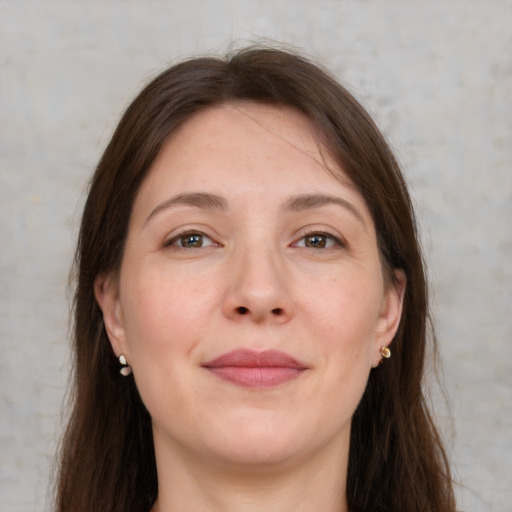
pixel 436 76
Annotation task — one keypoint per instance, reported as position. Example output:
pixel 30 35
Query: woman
pixel 247 262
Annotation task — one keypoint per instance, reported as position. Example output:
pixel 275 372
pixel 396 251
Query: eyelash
pixel 328 236
pixel 310 234
pixel 189 233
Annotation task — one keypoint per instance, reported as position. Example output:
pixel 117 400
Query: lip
pixel 252 369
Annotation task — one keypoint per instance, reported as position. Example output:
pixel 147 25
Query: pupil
pixel 315 241
pixel 192 241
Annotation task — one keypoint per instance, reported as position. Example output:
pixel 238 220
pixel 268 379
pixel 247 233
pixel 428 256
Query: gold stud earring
pixel 126 369
pixel 385 352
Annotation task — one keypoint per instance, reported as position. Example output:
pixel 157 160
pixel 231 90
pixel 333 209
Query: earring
pixel 385 352
pixel 125 370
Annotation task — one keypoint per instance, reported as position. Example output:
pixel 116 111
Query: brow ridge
pixel 208 201
pixel 311 201
pixel 203 200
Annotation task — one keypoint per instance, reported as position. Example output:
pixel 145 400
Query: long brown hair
pixel 397 461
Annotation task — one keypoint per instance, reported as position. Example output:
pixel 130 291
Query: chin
pixel 260 456
pixel 257 440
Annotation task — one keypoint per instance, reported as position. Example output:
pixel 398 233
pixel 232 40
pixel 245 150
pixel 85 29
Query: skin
pixel 264 271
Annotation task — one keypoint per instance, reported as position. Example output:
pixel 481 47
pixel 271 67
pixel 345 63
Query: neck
pixel 315 483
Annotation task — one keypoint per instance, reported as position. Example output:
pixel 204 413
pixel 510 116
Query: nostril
pixel 242 310
pixel 277 311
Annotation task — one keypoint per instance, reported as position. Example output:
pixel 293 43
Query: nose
pixel 258 289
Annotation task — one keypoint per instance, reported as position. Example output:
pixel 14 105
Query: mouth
pixel 251 369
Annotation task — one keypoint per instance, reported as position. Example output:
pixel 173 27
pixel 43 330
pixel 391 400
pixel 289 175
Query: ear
pixel 390 314
pixel 106 291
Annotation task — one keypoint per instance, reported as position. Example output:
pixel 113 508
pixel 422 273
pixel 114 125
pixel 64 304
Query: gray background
pixel 436 75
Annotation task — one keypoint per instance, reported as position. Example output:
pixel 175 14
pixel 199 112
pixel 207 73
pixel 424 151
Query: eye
pixel 191 240
pixel 318 241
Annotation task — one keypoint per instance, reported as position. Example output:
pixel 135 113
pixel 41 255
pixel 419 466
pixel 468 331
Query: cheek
pixel 164 312
pixel 343 319
pixel 346 308
pixel 163 318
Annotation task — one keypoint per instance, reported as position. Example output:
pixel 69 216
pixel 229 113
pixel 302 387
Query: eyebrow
pixel 207 201
pixel 311 201
pixel 201 200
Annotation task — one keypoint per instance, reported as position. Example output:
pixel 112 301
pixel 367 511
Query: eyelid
pixel 338 240
pixel 170 242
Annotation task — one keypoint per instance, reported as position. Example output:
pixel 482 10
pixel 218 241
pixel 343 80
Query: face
pixel 251 302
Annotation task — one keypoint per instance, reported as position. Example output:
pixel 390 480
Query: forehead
pixel 247 128
pixel 245 150
pixel 248 117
